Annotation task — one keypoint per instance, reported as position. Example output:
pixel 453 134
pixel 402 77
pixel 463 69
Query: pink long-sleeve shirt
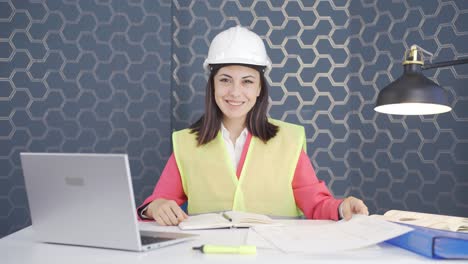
pixel 311 195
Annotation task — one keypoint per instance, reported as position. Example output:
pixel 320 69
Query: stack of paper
pixel 361 231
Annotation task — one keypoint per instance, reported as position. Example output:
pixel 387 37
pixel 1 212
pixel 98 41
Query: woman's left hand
pixel 352 205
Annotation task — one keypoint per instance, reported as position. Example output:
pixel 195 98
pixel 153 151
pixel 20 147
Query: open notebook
pixel 226 220
pixel 442 222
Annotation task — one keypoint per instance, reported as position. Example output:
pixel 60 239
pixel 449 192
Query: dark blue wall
pixel 119 76
pixel 83 76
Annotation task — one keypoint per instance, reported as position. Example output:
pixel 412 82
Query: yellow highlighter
pixel 216 249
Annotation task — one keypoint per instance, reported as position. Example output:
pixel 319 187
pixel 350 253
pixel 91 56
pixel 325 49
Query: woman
pixel 234 157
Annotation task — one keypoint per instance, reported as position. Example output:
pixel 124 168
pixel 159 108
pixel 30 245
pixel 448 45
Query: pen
pixel 214 249
pixel 227 217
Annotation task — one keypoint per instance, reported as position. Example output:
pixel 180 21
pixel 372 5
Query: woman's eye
pixel 248 82
pixel 224 80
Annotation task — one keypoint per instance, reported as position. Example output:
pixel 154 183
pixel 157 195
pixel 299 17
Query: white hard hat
pixel 237 45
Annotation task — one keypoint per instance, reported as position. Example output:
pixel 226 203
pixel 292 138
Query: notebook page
pixel 436 221
pixel 252 218
pixel 205 221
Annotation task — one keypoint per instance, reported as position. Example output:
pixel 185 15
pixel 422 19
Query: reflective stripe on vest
pixel 265 184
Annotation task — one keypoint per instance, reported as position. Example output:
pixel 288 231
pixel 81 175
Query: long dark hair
pixel 207 127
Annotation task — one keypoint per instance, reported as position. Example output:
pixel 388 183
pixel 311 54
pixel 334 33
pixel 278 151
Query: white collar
pixel 225 133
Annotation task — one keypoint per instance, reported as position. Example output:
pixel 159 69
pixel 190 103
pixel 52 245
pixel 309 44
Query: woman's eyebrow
pixel 226 75
pixel 244 77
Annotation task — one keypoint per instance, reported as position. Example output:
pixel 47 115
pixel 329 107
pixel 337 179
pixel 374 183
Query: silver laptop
pixel 87 200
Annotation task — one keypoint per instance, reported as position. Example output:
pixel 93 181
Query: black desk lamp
pixel 413 93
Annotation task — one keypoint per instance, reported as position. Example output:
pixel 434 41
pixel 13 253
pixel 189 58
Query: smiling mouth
pixel 234 103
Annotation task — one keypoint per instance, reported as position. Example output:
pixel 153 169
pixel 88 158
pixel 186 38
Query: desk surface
pixel 20 247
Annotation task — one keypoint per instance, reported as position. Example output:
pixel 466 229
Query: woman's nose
pixel 235 89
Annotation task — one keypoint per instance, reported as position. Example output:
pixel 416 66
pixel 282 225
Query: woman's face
pixel 236 89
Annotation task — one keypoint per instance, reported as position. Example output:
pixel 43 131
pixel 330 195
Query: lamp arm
pixel 444 64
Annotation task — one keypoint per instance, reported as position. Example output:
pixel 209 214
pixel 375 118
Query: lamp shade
pixel 412 94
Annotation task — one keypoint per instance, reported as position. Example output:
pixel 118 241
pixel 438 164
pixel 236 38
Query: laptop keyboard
pixel 145 240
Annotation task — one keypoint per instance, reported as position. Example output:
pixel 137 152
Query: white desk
pixel 20 247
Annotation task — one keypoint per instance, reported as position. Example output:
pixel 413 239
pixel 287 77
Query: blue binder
pixel 433 243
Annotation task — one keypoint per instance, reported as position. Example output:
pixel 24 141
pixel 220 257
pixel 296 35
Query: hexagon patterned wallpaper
pixel 118 76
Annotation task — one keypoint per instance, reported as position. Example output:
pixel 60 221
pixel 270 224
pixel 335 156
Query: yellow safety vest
pixel 265 184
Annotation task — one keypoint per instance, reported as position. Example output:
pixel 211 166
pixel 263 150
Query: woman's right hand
pixel 166 212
